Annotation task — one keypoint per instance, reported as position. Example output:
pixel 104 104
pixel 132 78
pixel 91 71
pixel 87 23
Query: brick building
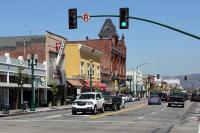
pixel 113 60
pixel 45 47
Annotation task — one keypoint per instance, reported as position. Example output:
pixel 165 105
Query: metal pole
pixel 91 79
pixel 136 81
pixel 150 21
pixel 130 84
pixel 32 84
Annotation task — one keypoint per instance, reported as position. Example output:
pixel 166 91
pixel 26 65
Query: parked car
pixel 112 101
pixel 124 97
pixel 163 96
pixel 154 99
pixel 195 97
pixel 88 102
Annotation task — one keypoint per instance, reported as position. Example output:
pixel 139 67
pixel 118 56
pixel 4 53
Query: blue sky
pixel 170 52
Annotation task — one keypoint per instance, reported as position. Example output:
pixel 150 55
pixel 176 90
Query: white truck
pixel 88 102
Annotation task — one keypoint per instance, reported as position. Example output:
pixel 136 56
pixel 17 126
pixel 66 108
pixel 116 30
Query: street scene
pixel 136 117
pixel 99 66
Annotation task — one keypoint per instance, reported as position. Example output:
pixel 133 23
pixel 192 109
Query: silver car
pixel 154 99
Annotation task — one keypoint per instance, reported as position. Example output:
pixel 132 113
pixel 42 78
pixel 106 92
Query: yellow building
pixel 78 60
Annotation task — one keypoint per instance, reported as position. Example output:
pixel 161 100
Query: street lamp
pixel 129 78
pixel 91 74
pixel 137 70
pixel 32 61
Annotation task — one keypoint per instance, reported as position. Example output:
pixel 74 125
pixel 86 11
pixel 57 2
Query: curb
pixel 26 113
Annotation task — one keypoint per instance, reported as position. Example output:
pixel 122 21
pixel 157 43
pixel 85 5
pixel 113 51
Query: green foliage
pixel 20 76
pixel 123 90
pixel 54 89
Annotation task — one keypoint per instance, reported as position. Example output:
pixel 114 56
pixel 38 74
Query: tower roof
pixel 108 30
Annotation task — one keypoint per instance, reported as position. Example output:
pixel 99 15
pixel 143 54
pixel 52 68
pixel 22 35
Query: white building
pixel 136 81
pixel 174 82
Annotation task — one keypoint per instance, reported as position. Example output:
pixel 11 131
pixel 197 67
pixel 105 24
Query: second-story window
pixel 88 70
pixel 93 70
pixel 82 68
pixel 98 72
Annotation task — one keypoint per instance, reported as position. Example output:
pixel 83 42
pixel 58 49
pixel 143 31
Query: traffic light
pixel 123 18
pixel 72 13
pixel 158 76
pixel 185 77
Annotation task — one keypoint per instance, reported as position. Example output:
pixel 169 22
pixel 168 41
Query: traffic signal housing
pixel 158 76
pixel 185 77
pixel 123 18
pixel 72 13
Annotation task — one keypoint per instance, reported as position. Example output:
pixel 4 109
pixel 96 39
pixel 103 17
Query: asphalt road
pixel 137 117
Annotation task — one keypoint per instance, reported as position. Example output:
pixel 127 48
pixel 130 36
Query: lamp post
pixel 32 61
pixel 137 71
pixel 90 74
pixel 129 78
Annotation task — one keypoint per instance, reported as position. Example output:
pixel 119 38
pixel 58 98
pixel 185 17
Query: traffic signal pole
pixel 149 21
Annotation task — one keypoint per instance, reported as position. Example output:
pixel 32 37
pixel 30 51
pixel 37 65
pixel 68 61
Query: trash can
pixel 5 109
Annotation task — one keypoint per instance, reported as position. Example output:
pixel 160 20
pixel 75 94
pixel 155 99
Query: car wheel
pixel 102 109
pixel 119 107
pixel 74 112
pixel 95 110
pixel 124 105
pixel 182 105
pixel 114 107
pixel 149 103
pixel 169 105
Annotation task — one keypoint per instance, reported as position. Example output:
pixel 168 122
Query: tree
pixel 54 90
pixel 20 78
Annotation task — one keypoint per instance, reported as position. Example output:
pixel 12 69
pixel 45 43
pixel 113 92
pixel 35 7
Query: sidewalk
pixel 37 110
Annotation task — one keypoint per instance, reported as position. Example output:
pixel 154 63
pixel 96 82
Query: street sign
pixel 86 17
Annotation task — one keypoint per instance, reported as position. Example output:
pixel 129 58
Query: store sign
pixel 60 53
pixel 58 44
pixel 54 76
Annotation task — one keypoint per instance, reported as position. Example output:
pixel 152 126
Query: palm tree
pixel 20 78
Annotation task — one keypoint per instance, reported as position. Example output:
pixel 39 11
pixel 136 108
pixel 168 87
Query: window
pixel 88 70
pixel 98 96
pixel 93 70
pixel 82 68
pixel 98 72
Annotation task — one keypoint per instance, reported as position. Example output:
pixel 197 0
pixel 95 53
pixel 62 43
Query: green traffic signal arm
pixel 150 21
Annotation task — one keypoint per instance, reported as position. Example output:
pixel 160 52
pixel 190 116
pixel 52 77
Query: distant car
pixel 154 99
pixel 195 97
pixel 176 99
pixel 124 97
pixel 163 97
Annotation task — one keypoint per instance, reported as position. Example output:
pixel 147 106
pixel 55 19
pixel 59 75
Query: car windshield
pixel 106 93
pixel 154 96
pixel 87 96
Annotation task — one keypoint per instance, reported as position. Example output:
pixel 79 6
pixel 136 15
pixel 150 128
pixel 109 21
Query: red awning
pixel 96 84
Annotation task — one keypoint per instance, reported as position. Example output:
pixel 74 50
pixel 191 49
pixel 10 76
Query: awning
pixel 97 84
pixel 75 83
pixel 15 85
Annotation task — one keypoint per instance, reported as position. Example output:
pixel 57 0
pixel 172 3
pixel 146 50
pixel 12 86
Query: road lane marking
pixel 53 116
pixel 153 113
pixel 80 121
pixel 118 112
pixel 140 118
